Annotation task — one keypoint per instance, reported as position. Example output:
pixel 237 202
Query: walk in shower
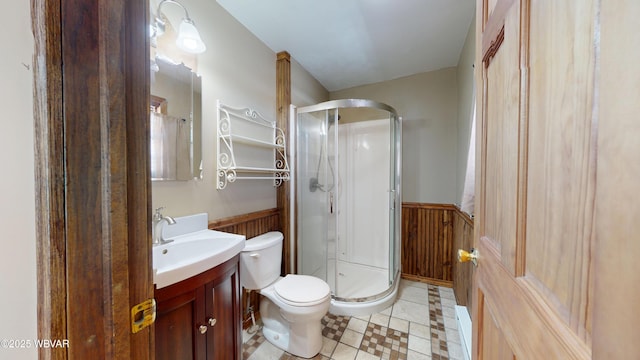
pixel 348 204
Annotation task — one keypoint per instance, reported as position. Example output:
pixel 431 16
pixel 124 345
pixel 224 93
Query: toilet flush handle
pixel 255 255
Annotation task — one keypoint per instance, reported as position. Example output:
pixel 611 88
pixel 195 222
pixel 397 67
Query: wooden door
pixel 533 287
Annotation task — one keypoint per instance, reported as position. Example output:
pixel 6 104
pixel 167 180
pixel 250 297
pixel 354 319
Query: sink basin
pixel 192 253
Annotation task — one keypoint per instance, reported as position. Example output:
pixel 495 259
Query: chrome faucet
pixel 158 218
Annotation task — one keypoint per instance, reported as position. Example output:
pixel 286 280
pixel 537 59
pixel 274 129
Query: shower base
pixel 365 306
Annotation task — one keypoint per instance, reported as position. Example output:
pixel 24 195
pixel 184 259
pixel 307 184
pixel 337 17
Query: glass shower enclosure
pixel 347 201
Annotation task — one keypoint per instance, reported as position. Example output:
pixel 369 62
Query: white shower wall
pixel 363 196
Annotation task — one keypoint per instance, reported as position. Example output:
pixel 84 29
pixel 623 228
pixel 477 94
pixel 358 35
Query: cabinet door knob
pixel 202 329
pixel 212 321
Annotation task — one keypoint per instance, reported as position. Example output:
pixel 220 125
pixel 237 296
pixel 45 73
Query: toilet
pixel 292 306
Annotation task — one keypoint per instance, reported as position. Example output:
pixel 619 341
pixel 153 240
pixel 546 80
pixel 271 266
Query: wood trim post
pixel 49 174
pixel 92 200
pixel 139 206
pixel 283 101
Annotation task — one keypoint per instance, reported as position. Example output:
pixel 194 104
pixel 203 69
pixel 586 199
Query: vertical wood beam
pixel 283 101
pixel 139 208
pixel 92 203
pixel 49 174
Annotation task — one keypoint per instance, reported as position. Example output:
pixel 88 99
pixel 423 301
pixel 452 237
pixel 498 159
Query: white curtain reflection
pixel 170 147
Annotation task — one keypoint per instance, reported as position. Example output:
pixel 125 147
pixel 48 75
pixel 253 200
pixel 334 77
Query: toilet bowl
pixel 292 306
pixel 291 323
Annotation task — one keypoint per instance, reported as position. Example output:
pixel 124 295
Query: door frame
pixel 91 91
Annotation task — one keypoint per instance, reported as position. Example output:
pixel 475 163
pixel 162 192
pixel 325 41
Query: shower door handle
pixel 392 199
pixel 331 202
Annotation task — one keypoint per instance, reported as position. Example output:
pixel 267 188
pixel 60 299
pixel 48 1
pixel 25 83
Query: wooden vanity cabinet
pixel 199 318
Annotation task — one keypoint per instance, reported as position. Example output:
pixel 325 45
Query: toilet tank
pixel 260 260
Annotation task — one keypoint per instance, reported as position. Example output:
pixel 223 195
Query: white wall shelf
pixel 249 147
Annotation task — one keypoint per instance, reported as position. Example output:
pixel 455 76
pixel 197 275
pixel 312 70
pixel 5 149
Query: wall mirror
pixel 176 122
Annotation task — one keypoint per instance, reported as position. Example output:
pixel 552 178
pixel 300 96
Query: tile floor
pixel 421 324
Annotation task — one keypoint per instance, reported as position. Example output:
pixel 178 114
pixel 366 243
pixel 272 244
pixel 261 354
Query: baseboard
pixel 426 280
pixel 464 328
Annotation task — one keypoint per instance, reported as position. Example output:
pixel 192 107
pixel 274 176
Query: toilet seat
pixel 302 290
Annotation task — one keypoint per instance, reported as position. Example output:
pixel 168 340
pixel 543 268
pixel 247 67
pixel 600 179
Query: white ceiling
pixel 346 43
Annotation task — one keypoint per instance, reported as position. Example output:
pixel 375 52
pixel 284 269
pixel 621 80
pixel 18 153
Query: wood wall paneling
pixel 431 236
pixel 250 225
pixel 427 239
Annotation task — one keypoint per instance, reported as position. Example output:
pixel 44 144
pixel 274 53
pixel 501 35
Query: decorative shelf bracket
pixel 249 147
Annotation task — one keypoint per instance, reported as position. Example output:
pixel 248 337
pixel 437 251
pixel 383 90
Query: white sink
pixel 192 251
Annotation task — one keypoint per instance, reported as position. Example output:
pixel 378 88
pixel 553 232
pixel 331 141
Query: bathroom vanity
pixel 197 291
pixel 199 317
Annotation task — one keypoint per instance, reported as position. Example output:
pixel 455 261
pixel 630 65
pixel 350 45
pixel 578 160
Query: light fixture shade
pixel 189 39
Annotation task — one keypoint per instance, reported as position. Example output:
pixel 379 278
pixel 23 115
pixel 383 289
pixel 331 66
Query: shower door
pixel 395 200
pixel 363 209
pixel 316 208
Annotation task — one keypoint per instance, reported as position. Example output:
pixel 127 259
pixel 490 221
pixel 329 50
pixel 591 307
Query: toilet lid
pixel 302 289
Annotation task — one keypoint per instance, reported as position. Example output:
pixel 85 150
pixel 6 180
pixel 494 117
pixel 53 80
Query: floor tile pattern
pixel 251 345
pixel 385 343
pixel 420 325
pixel 333 326
pixel 439 348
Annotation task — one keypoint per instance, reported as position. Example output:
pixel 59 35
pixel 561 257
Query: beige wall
pixel 240 70
pixel 17 195
pixel 465 106
pixel 427 103
pixel 305 89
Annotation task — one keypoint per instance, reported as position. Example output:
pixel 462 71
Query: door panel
pixel 536 186
pixel 501 129
pixel 616 322
pixel 561 158
pixel 498 348
pixel 491 5
pixel 530 328
pixel 175 335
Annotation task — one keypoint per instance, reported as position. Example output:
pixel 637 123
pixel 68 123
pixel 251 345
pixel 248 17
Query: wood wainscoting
pixel 249 225
pixel 431 236
pixel 427 242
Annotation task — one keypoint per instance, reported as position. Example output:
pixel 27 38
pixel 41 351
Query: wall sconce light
pixel 188 39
